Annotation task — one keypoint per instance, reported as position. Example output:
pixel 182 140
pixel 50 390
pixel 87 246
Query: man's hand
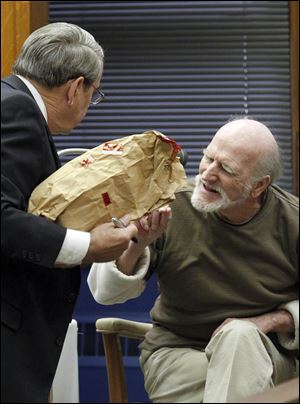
pixel 152 226
pixel 275 321
pixel 108 242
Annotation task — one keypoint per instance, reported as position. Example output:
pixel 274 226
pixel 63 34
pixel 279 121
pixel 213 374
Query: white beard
pixel 223 203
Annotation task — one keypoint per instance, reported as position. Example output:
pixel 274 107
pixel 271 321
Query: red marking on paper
pixel 86 161
pixel 106 198
pixel 112 147
pixel 175 146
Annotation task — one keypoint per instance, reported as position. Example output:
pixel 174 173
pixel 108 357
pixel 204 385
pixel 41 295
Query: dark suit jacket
pixel 37 299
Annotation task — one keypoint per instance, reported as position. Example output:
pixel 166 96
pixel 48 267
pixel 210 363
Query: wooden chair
pixel 114 328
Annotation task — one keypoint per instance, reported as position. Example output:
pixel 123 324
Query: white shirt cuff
pixel 74 248
pixel 288 340
pixel 108 285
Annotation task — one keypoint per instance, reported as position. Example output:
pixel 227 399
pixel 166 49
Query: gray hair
pixel 270 161
pixel 58 52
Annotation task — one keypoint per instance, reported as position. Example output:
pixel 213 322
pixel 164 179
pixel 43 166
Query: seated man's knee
pixel 240 327
pixel 238 330
pixel 235 335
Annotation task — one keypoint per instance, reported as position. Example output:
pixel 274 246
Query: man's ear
pixel 260 186
pixel 73 88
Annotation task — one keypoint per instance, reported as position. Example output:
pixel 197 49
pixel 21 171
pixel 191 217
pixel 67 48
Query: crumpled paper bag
pixel 133 175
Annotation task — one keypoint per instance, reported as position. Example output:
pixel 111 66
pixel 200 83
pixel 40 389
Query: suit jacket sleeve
pixel 26 160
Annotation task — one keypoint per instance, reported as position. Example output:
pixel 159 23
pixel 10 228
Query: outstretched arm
pixel 117 281
pixel 149 229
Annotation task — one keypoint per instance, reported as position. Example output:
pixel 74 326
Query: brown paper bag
pixel 133 175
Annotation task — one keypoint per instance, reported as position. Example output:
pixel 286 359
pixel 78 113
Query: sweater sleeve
pixel 110 286
pixel 290 340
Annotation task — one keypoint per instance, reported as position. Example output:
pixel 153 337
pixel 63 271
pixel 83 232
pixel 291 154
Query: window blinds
pixel 184 68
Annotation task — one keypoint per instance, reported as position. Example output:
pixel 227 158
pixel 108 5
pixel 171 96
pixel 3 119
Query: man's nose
pixel 210 171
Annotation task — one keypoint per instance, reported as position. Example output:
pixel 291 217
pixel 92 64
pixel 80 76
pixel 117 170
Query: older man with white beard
pixel 226 322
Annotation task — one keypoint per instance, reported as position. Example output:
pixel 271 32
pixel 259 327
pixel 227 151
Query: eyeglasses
pixel 97 96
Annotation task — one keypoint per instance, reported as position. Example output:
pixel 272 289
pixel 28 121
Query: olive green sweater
pixel 210 270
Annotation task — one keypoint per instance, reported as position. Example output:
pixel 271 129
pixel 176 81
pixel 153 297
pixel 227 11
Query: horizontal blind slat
pixel 184 68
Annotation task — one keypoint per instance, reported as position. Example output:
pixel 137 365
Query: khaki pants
pixel 238 361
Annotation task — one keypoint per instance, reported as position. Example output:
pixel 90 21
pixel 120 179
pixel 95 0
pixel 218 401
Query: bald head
pixel 255 142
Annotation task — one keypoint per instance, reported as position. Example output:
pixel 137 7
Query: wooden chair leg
pixel 115 369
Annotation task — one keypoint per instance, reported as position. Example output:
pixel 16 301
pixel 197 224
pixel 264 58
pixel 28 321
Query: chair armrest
pixel 122 327
pixel 111 329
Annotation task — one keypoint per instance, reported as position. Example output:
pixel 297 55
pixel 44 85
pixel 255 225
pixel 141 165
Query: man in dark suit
pixel 56 76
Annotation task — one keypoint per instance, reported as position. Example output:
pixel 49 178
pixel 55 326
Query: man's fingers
pixel 125 220
pixel 144 223
pixel 155 220
pixel 165 218
pixel 132 229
